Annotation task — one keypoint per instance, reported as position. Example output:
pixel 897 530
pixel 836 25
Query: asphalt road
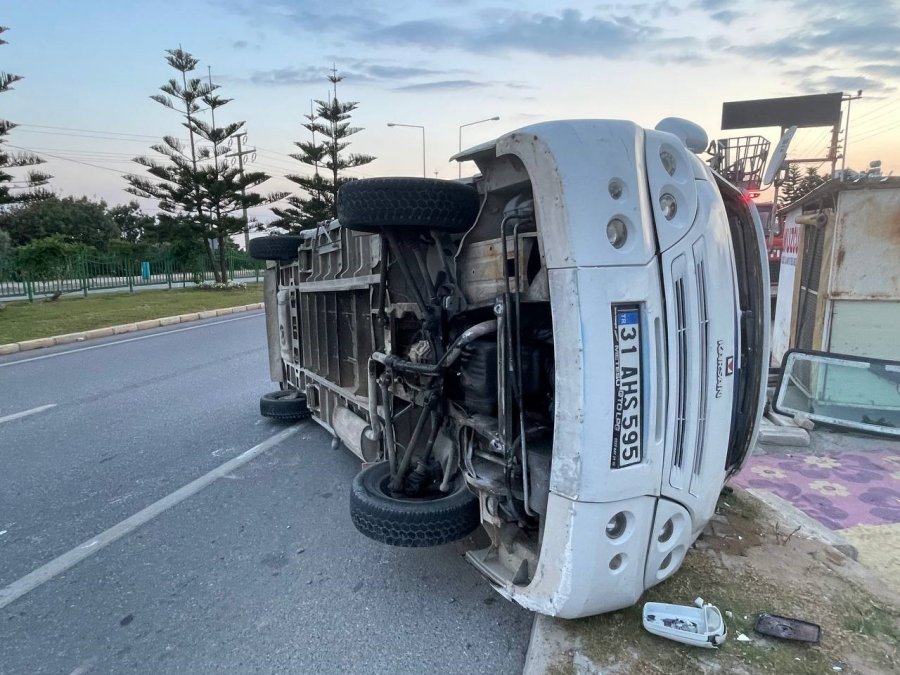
pixel 260 571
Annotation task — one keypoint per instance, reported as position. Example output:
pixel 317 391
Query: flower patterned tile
pixel 839 490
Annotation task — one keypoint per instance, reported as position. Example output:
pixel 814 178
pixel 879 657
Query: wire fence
pixel 86 273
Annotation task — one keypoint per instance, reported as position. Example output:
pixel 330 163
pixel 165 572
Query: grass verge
pixel 26 321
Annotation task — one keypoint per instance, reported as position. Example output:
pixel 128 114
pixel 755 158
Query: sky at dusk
pixel 91 65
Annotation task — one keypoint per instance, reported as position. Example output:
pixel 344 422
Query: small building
pixel 839 286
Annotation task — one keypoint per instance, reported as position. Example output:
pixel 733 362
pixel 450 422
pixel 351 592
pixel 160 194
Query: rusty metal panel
pixel 866 258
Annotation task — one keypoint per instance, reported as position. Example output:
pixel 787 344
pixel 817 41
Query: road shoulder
pixel 69 338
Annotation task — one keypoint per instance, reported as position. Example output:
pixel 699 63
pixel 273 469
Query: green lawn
pixel 26 321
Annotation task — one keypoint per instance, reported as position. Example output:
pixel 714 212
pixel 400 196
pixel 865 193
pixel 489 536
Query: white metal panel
pixel 571 164
pixel 866 328
pixel 576 573
pixel 681 184
pixel 781 326
pixel 712 348
pixel 582 302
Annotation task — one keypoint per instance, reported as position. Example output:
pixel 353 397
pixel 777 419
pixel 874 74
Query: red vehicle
pixel 774 238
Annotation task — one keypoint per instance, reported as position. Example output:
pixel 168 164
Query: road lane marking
pixel 133 339
pixel 88 548
pixel 26 413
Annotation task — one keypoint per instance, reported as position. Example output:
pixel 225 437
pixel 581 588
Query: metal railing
pixel 84 273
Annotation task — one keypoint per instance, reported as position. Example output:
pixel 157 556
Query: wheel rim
pixel 431 495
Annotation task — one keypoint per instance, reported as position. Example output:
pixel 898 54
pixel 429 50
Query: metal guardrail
pixel 86 273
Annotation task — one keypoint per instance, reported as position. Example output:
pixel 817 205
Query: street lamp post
pixel 415 126
pixel 487 119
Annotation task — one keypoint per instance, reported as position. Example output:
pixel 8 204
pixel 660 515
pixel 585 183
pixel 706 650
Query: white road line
pixel 134 339
pixel 26 413
pixel 88 548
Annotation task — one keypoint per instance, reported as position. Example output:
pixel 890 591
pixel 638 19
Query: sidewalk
pixel 847 482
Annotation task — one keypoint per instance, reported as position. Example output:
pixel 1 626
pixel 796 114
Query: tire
pixel 286 405
pixel 371 204
pixel 281 247
pixel 409 521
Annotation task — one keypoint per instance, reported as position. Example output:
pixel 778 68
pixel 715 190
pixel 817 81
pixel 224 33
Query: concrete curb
pixel 548 645
pixel 40 343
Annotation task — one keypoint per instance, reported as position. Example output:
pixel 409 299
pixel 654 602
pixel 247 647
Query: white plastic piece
pixel 691 134
pixel 700 626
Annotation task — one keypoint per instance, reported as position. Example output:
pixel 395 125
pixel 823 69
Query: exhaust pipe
pixel 355 433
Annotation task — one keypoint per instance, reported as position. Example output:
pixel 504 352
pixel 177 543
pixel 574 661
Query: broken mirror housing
pixel 700 626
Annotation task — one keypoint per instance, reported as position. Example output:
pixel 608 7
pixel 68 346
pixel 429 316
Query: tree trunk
pixel 223 264
pixel 210 259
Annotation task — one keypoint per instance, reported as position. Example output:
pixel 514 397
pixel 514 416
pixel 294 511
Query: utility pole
pixel 240 155
pixel 849 99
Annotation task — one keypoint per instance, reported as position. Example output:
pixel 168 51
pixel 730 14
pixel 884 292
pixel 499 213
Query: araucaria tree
pixel 796 185
pixel 26 188
pixel 329 127
pixel 197 185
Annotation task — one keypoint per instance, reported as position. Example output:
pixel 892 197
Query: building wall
pixel 866 256
pixel 865 328
pixel 857 308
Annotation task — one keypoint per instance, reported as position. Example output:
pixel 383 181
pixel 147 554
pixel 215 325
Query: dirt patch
pixel 747 562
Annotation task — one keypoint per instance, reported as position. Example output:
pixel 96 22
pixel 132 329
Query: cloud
pixel 818 79
pixel 354 70
pixel 616 32
pixel 240 44
pixel 689 57
pixel 288 76
pixel 390 71
pixel 851 29
pixel 713 5
pixel 654 9
pixel 726 16
pixel 849 84
pixel 443 85
pixel 568 33
pixel 464 84
pixel 889 70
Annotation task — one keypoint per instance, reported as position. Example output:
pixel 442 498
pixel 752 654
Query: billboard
pixel 817 110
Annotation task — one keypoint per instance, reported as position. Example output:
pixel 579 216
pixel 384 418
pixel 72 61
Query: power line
pixel 878 132
pixel 810 147
pixel 868 113
pixel 74 151
pixel 876 119
pixel 93 131
pixel 67 159
pixel 75 135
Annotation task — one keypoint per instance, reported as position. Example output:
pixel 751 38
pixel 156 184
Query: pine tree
pixel 199 188
pixel 14 190
pixel 810 182
pixel 329 127
pixel 788 189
